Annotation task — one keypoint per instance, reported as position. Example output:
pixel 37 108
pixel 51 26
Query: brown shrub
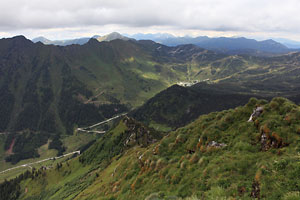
pixel 256 122
pixel 258 176
pixel 179 139
pixel 183 165
pixel 277 138
pixel 194 159
pixel 152 165
pixel 156 149
pixel 266 130
pixel 200 143
pixel 202 149
pixel 171 145
pixel 159 164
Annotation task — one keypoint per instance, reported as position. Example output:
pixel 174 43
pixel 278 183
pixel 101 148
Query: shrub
pixel 280 165
pixel 216 193
pixel 243 146
pixel 184 190
pixel 252 102
pixel 176 178
pixel 274 105
pixel 194 158
pixel 292 196
pixel 180 139
pixel 203 161
pixel 183 165
pixel 279 100
pixel 160 164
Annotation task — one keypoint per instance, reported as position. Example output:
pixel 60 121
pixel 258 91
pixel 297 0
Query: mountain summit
pixel 112 36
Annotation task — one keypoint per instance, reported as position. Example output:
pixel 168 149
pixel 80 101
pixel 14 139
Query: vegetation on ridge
pixel 219 155
pixel 50 89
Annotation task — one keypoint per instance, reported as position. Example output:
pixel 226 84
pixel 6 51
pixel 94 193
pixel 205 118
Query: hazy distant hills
pixel 288 43
pixel 80 41
pixel 239 45
pixel 46 41
pixel 232 46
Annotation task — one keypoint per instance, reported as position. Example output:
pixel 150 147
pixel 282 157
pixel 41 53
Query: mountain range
pixel 223 44
pixel 166 38
pixel 185 132
pixel 51 90
pixel 231 46
pixel 219 155
pixel 80 41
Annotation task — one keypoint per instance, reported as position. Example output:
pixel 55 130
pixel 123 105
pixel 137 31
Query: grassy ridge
pixel 257 160
pixel 177 106
pixel 50 90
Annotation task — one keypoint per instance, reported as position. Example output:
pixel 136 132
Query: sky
pixel 67 19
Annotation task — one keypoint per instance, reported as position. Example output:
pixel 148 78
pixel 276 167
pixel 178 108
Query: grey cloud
pixel 216 15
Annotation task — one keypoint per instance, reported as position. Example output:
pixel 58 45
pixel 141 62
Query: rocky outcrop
pixel 137 133
pixel 216 144
pixel 256 113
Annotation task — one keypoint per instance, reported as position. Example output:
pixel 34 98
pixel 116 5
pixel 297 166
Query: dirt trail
pixel 90 99
pixel 11 146
pixel 40 161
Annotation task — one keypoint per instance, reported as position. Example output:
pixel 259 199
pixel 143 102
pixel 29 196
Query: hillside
pixel 177 106
pixel 47 91
pixel 219 155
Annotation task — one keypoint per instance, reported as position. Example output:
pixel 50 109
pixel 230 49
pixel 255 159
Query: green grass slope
pixel 177 106
pixel 218 156
pixel 47 91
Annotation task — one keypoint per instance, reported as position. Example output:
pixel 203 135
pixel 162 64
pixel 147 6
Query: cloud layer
pixel 209 15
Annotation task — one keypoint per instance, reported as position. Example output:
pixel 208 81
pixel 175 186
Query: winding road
pixel 40 161
pixel 98 124
pixel 78 152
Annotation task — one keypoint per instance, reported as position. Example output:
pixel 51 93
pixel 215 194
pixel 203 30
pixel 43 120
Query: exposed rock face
pixel 263 142
pixel 256 113
pixel 139 134
pixel 216 144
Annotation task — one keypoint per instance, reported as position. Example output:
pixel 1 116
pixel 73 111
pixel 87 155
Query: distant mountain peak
pixel 20 39
pixel 42 40
pixel 93 41
pixel 112 36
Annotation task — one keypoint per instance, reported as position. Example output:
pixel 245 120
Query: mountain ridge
pixel 50 90
pixel 219 155
pixel 237 45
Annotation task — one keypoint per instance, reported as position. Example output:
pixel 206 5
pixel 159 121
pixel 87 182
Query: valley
pixel 255 160
pixel 139 133
pixel 150 100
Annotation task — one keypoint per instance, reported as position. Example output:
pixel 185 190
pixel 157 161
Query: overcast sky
pixel 63 19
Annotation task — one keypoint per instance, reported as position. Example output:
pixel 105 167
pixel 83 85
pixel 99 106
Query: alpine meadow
pixel 152 100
